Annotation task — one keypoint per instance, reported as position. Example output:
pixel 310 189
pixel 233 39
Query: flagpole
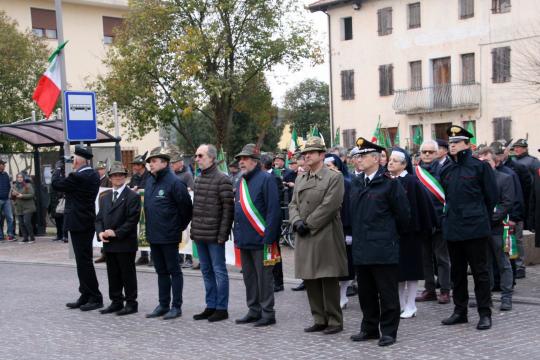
pixel 62 64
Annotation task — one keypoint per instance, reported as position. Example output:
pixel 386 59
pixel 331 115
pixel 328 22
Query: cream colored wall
pixel 442 34
pixel 83 27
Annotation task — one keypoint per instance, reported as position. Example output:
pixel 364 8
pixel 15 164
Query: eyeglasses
pixel 428 152
pixel 199 155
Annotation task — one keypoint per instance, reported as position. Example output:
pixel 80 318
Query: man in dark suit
pixel 116 226
pixel 81 188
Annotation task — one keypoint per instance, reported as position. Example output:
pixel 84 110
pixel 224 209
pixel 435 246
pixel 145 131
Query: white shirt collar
pixel 120 189
pixel 370 177
pixel 84 168
pixel 270 171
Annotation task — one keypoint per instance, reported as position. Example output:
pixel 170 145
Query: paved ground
pixel 36 280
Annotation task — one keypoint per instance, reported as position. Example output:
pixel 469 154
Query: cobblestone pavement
pixel 34 323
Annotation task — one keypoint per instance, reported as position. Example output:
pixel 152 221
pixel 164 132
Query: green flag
pixel 418 137
pixel 315 132
pixel 470 128
pixel 337 137
pixel 222 162
pixel 396 139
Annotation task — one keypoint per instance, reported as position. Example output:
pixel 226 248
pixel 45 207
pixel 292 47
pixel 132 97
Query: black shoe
pixel 204 315
pixel 364 336
pixel 278 288
pixel 300 287
pixel 315 328
pixel 158 311
pixel 484 323
pixel 143 260
pixel 128 309
pixel 112 308
pixel 76 304
pixel 173 314
pixel 386 340
pixel 265 322
pixel 218 315
pixel 520 273
pixel 352 290
pixel 455 319
pixel 91 306
pixel 333 329
pixel 247 319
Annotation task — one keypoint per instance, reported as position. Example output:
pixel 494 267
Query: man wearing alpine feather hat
pixel 320 254
pixel 168 210
pixel 257 219
pixel 116 227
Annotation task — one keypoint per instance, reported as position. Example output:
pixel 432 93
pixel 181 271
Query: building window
pixel 416 75
pixel 384 21
pixel 501 64
pixel 110 25
pixel 346 28
pixel 347 84
pixel 414 16
pixel 43 23
pixel 349 138
pixel 466 9
pixel 502 128
pixel 386 80
pixel 467 69
pixel 500 6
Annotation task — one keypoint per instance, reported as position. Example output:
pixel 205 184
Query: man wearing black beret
pixel 81 188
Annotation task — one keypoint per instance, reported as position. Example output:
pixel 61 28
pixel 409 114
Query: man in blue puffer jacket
pixel 168 210
pixel 257 217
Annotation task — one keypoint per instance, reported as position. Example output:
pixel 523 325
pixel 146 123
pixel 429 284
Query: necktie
pixel 366 180
pixel 115 196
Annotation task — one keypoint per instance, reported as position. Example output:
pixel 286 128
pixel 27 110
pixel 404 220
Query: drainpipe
pixel 331 98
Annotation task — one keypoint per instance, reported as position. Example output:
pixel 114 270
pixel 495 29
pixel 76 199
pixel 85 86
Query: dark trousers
pixel 166 263
pixel 27 229
pixel 259 283
pixel 435 246
pixel 323 295
pixel 379 298
pixel 474 253
pixel 277 271
pixel 59 221
pixel 88 283
pixel 122 276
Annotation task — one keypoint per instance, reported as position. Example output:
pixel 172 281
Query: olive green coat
pixel 317 200
pixel 26 204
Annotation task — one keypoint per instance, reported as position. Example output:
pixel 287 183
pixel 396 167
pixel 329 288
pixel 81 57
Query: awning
pixel 47 133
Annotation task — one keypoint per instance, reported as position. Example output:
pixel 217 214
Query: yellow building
pixel 88 25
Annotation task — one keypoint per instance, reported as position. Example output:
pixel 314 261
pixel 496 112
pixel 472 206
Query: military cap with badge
pixel 117 168
pixel 140 159
pixel 159 152
pixel 249 150
pixel 367 147
pixel 457 133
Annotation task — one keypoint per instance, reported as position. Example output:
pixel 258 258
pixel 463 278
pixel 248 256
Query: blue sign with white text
pixel 81 120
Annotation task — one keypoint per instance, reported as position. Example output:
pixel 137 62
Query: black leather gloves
pixel 301 228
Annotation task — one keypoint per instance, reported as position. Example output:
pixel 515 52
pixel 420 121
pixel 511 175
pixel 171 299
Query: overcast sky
pixel 281 79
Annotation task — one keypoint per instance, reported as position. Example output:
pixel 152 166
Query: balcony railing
pixel 438 98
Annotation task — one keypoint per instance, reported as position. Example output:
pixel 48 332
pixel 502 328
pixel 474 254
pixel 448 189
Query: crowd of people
pixel 383 218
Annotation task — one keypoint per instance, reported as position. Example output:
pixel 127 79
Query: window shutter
pixel 389 21
pixel 506 63
pixel 379 22
pixel 343 85
pixel 351 84
pixel 390 80
pixel 43 19
pixel 381 80
pixel 110 24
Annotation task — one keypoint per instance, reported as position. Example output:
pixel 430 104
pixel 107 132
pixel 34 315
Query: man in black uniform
pixel 379 208
pixel 81 188
pixel 471 195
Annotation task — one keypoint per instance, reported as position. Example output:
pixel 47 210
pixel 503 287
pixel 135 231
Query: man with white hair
pixel 428 172
pixel 81 188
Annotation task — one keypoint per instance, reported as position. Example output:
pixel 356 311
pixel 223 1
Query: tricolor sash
pixel 433 186
pixel 271 254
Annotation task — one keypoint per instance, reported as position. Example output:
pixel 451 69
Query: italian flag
pixel 430 183
pixel 49 87
pixel 293 145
